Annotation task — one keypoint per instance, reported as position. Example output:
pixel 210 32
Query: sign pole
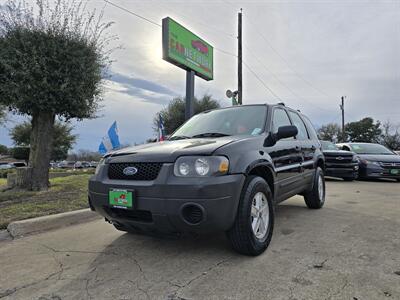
pixel 240 84
pixel 189 107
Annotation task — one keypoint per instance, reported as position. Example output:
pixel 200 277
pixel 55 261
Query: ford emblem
pixel 129 171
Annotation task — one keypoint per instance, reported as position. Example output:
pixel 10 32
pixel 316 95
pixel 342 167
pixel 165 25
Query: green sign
pixel 183 48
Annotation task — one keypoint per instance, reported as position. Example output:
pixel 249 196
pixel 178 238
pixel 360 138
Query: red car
pixel 200 46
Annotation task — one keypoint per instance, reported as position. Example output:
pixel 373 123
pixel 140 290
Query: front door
pixel 286 156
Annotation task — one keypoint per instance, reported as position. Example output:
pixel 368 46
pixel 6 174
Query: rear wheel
pixel 316 197
pixel 252 230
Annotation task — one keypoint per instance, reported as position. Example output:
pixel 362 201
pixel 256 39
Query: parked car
pixel 66 164
pixel 18 164
pixel 6 166
pixel 339 163
pixel 376 161
pixel 223 170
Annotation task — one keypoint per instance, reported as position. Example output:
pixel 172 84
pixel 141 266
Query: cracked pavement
pixel 348 250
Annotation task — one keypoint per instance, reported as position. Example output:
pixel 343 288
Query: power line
pixel 281 57
pixel 218 49
pixel 286 62
pixel 159 25
pixel 261 81
pixel 282 83
pixel 133 13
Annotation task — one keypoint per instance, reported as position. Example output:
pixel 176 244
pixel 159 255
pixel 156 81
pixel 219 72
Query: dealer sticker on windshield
pixel 120 198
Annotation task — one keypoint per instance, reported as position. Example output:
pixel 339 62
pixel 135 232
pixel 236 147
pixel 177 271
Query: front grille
pixel 133 215
pixel 145 171
pixel 390 165
pixel 339 159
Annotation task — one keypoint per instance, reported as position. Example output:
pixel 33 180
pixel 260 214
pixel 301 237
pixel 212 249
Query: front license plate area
pixel 120 198
pixel 394 171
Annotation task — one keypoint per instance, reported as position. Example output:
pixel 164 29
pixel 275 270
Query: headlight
pixel 101 163
pixel 356 159
pixel 201 166
pixel 369 162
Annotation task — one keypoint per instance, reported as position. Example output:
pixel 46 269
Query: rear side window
pixel 298 122
pixel 280 118
pixel 311 129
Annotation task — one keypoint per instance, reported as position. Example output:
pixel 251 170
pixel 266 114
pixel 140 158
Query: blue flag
pixel 111 140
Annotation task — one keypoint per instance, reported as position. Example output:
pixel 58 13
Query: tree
pixel 364 130
pixel 62 142
pixel 3 150
pixel 330 132
pixel 2 115
pixel 51 64
pixel 173 115
pixel 84 155
pixel 391 136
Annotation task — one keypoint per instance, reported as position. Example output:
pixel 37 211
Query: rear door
pixel 286 156
pixel 307 146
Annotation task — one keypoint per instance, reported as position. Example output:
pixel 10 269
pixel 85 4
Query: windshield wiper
pixel 210 134
pixel 178 137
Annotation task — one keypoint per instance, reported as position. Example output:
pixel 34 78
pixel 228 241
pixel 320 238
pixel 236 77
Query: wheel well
pixel 266 173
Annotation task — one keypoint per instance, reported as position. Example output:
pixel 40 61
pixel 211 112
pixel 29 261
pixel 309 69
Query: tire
pixel 315 199
pixel 243 238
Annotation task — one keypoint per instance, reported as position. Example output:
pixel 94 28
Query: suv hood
pixel 380 157
pixel 169 151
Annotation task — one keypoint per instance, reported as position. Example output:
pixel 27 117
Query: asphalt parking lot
pixel 348 250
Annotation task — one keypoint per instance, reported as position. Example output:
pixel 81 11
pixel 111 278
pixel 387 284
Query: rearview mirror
pixel 283 132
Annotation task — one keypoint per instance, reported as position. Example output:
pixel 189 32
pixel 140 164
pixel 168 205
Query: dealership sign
pixel 186 50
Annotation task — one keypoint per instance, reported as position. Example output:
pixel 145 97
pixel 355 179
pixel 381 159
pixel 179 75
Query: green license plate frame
pixel 121 198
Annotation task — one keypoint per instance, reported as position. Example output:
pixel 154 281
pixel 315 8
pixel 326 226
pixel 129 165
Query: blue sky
pixel 309 53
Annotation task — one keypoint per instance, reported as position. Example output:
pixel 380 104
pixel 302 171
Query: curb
pixel 30 226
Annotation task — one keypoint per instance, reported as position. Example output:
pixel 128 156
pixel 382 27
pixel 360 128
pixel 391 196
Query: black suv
pixel 339 163
pixel 223 170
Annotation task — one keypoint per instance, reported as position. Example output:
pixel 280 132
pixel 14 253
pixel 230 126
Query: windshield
pixel 238 120
pixel 370 149
pixel 328 146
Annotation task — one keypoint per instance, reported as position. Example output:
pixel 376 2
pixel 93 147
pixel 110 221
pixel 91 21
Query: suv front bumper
pixel 169 204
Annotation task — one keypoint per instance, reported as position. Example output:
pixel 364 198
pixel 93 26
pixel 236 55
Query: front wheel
pixel 316 197
pixel 251 232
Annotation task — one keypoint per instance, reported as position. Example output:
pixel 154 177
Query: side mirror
pixel 286 132
pixel 283 132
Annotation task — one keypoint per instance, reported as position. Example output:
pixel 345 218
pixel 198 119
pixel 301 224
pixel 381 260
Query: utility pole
pixel 342 109
pixel 240 86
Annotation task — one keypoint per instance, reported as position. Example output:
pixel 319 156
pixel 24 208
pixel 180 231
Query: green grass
pixel 65 194
pixel 3 181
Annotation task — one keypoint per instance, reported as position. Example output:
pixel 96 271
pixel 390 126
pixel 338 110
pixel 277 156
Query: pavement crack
pixel 188 283
pixel 144 291
pixel 76 251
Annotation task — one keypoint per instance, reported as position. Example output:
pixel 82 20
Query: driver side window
pixel 280 118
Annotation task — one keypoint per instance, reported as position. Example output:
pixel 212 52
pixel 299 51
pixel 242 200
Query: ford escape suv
pixel 223 170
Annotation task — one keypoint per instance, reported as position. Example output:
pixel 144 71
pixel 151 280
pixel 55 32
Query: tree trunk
pixel 41 142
